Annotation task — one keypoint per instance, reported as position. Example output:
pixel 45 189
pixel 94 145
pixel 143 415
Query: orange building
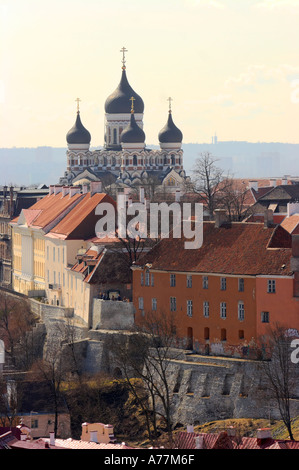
pixel 224 295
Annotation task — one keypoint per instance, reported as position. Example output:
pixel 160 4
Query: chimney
pixel 253 185
pixel 190 428
pixel 51 189
pixel 52 438
pixel 57 189
pixel 295 264
pixel 65 190
pixel 85 189
pixel 199 442
pixel 23 437
pixel 141 195
pixel 292 208
pixel 220 217
pixel 93 436
pixel 74 190
pixel 177 195
pixel 273 182
pixel 263 433
pixel 284 180
pixel 95 187
pixel 268 218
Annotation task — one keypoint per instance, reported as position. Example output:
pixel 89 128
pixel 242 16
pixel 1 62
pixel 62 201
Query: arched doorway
pixel 190 338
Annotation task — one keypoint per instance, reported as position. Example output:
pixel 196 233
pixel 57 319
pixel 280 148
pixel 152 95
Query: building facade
pixel 125 160
pixel 225 296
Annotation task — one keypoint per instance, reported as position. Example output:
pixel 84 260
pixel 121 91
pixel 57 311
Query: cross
pixel 123 50
pixel 132 107
pixel 78 100
pixel 170 100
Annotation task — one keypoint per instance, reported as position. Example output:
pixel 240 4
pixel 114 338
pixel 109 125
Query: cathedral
pixel 125 161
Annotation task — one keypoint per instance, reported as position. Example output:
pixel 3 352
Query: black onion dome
pixel 119 101
pixel 132 134
pixel 78 134
pixel 170 133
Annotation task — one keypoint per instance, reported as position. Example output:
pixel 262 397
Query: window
pixel 223 309
pixel 172 304
pixel 140 303
pixel 63 279
pixel 53 253
pixel 152 280
pixel 54 278
pixel 206 333
pixel 241 334
pixel 34 423
pixel 271 286
pixel 241 284
pixel 58 255
pixel 47 252
pixel 223 283
pixel 189 280
pixel 265 317
pixel 223 334
pixel 189 308
pixel 63 255
pixel 147 278
pixel 172 280
pixel 141 279
pixel 206 309
pixel 205 282
pixel 154 304
pixel 241 311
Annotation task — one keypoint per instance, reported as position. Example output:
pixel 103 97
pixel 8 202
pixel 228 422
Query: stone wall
pixel 112 315
pixel 206 388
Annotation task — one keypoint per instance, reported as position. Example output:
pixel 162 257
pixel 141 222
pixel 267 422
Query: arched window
pixel 115 136
pixel 134 160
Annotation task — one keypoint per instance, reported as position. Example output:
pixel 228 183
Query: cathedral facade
pixel 124 160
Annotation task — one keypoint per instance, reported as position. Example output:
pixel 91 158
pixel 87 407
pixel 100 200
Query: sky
pixel 231 67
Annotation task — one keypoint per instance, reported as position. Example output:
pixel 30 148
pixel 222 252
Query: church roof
pixel 132 133
pixel 78 134
pixel 119 101
pixel 170 132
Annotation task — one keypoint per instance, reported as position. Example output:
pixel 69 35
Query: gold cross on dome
pixel 132 99
pixel 169 100
pixel 78 101
pixel 124 50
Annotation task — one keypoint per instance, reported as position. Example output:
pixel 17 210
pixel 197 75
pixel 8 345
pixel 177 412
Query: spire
pixel 124 50
pixel 169 100
pixel 132 99
pixel 78 106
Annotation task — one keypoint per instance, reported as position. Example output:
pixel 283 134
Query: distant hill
pixel 25 166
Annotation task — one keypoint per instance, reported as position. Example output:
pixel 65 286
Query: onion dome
pixel 78 134
pixel 118 102
pixel 170 133
pixel 132 134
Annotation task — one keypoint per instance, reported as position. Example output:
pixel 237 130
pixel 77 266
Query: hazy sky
pixel 231 66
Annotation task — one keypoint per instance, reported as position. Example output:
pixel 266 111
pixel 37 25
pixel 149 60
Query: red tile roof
pixel 291 224
pixel 221 440
pixel 237 248
pixel 81 220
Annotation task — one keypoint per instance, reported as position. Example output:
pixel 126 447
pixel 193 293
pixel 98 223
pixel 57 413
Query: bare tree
pixel 280 372
pixel 147 357
pixel 233 198
pixel 208 181
pixel 16 319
